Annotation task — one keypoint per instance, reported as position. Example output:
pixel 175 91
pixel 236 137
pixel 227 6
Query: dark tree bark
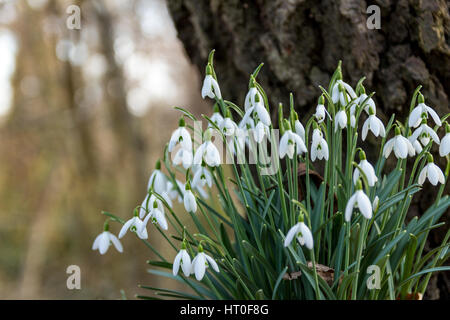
pixel 301 42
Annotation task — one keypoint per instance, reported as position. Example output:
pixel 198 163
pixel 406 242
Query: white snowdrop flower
pixel 210 86
pixel 237 142
pixel 368 170
pixel 291 143
pixel 401 146
pixel 424 132
pixel 250 98
pixel 358 200
pixel 299 129
pixel 216 117
pixel 207 152
pixel 376 204
pixel 104 240
pixel 157 217
pixel 321 111
pixel 340 120
pixel 173 192
pixel 373 124
pixel 228 127
pixel 432 172
pixel 190 204
pixel 259 110
pixel 319 147
pixel 260 131
pixel 183 157
pixel 201 177
pixel 341 91
pixel 181 136
pixel 302 233
pixel 201 262
pixel 157 179
pixel 184 260
pixel 444 148
pixel 135 225
pixel 149 202
pixel 419 110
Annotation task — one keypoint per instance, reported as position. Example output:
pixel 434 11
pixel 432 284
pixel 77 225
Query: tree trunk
pixel 301 42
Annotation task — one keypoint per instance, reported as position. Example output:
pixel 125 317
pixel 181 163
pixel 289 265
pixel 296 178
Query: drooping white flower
pixel 340 120
pixel 375 125
pixel 369 106
pixel 183 157
pixel 401 146
pixel 201 262
pixel 362 202
pixel 149 202
pixel 216 117
pixel 444 148
pixel 135 225
pixel 368 170
pixel 201 177
pixel 291 143
pixel 184 260
pixel 104 240
pixel 250 98
pixel 207 152
pixel 416 114
pixel 190 204
pixel 432 172
pixel 260 131
pixel 157 217
pixel 321 111
pixel 228 127
pixel 210 87
pixel 302 233
pixel 424 133
pixel 342 92
pixel 157 179
pixel 181 136
pixel 319 147
pixel 299 129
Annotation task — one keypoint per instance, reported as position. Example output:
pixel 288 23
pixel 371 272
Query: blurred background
pixel 84 115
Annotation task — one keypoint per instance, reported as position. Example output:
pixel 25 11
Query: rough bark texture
pixel 301 42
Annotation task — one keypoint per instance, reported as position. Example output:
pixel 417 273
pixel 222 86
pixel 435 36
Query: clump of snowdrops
pixel 261 230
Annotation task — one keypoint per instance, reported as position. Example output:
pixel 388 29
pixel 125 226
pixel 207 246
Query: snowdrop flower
pixel 319 147
pixel 342 92
pixel 369 106
pixel 340 120
pixel 444 148
pixel 201 177
pixel 150 201
pixel 373 124
pixel 216 117
pixel 250 97
pixel 259 110
pixel 401 146
pixel 104 240
pixel 201 262
pixel 301 232
pixel 358 200
pixel 321 111
pixel 207 152
pixel 210 86
pixel 432 172
pixel 182 136
pixel 135 225
pixel 190 204
pixel 260 131
pixel 173 192
pixel 157 216
pixel 424 132
pixel 183 157
pixel 368 170
pixel 228 127
pixel 291 143
pixel 419 110
pixel 299 129
pixel 157 179
pixel 182 259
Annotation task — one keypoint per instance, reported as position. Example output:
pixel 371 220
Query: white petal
pixel 185 263
pixel 291 234
pixel 422 175
pixel 414 117
pixel 176 263
pixel 212 263
pixel 125 228
pixel 365 129
pixel 104 242
pixel 434 115
pixel 116 242
pixel 432 174
pixel 388 147
pixel 199 267
pixel 364 204
pixel 349 207
pixel 284 145
pixel 400 148
pixel 444 148
pixel 307 235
